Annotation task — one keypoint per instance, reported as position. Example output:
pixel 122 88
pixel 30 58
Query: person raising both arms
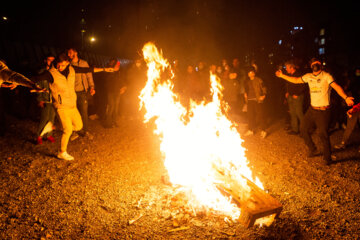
pixel 318 113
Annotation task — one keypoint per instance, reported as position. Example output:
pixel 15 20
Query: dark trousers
pixel 296 111
pixel 255 114
pixel 82 105
pixel 350 126
pixel 47 115
pixel 240 102
pixel 112 108
pixel 2 115
pixel 319 119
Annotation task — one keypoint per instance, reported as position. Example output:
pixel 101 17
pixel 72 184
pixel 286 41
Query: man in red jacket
pixel 353 117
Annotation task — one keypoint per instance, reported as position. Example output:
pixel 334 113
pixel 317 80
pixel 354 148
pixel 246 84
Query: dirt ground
pixel 113 188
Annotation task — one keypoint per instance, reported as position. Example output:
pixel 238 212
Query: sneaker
pixel 89 135
pixel 50 139
pixel 74 136
pixel 340 146
pixel 293 133
pixel 313 153
pixel 249 133
pixel 332 158
pixel 39 141
pixel 115 124
pixel 263 134
pixel 65 156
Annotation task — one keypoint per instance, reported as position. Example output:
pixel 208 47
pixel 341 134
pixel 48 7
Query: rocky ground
pixel 113 189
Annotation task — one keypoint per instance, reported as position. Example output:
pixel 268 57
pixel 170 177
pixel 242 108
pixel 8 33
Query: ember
pixel 203 154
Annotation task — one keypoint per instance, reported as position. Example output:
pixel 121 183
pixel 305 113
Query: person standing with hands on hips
pixel 318 113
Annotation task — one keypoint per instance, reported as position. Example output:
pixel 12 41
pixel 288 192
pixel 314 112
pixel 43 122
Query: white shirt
pixel 319 88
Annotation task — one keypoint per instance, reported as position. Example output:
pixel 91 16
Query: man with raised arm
pixel 318 114
pixel 61 77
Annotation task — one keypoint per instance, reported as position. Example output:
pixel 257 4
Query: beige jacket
pixel 63 89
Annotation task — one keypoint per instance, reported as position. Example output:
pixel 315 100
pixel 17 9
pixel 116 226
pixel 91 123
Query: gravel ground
pixel 113 189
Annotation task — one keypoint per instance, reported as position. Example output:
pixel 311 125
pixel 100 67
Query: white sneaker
pixel 342 145
pixel 263 134
pixel 74 136
pixel 249 133
pixel 65 156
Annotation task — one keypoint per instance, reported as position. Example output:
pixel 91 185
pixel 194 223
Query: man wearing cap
pixel 318 114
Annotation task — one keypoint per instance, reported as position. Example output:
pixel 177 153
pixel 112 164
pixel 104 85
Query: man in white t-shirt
pixel 318 114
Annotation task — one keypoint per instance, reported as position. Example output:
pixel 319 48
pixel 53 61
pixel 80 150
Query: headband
pixel 316 62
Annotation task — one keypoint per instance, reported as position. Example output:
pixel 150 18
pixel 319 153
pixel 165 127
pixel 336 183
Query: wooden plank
pixel 254 205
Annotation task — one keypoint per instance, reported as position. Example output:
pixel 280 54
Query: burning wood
pixel 135 219
pixel 178 229
pixel 202 148
pixel 258 208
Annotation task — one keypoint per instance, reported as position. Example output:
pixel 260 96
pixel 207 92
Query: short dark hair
pixel 292 63
pixel 72 48
pixel 250 69
pixel 62 57
pixel 49 55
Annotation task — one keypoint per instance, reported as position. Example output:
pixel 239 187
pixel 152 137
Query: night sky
pixel 185 29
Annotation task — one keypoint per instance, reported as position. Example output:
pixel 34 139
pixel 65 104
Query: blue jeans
pixel 82 105
pixel 296 111
pixel 47 115
pixel 350 126
pixel 112 108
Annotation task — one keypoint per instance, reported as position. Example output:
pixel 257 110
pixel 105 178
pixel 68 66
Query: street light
pixel 92 39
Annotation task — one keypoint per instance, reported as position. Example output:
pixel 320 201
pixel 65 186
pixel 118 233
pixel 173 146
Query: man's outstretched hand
pixel 109 69
pixel 38 89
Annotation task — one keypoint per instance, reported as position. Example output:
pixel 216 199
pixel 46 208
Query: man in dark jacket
pixel 44 99
pixel 115 87
pixel 295 98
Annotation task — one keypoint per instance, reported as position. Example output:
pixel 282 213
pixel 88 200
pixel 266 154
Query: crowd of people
pixel 66 84
pixel 63 87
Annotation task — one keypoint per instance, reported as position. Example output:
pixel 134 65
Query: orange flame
pixel 197 142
